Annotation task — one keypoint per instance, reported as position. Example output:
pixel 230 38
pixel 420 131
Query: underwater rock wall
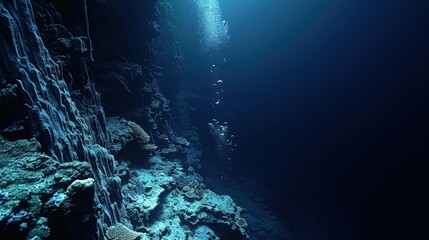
pixel 70 172
pixel 67 134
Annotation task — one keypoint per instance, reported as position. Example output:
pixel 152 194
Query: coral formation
pixel 70 172
pixel 34 186
pixel 139 134
pixel 121 232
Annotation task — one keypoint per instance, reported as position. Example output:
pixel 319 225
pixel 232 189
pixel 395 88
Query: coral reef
pixel 34 188
pixel 121 232
pixel 70 172
pixel 139 134
pixel 163 198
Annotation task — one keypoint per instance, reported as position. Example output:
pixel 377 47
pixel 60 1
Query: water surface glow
pixel 213 29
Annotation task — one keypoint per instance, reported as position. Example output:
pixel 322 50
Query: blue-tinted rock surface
pixel 67 171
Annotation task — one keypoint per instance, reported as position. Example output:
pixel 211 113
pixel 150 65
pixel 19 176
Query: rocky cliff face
pixel 70 172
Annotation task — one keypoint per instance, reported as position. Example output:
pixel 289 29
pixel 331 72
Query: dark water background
pixel 329 104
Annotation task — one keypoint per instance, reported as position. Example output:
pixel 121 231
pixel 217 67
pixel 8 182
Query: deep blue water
pixel 328 101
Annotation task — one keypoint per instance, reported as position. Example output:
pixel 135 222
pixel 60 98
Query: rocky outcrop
pixel 164 202
pixel 35 190
pixel 68 132
pixel 67 171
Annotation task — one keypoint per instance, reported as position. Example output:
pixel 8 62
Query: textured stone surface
pixel 120 132
pixel 157 198
pixel 68 131
pixel 73 174
pixel 33 186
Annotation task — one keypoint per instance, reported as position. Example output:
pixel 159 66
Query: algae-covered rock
pixel 8 94
pixel 174 205
pixel 33 187
pixel 204 232
pixel 120 132
pixel 80 186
